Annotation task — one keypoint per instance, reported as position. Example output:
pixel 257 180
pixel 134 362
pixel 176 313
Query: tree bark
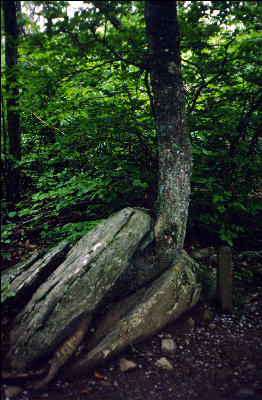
pixel 174 146
pixel 13 117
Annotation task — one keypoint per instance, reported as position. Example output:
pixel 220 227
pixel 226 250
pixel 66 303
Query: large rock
pixel 77 287
pixel 102 297
pixel 140 315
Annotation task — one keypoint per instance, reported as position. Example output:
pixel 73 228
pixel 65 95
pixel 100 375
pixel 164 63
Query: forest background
pixel 84 142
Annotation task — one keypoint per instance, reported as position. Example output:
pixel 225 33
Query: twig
pixel 45 123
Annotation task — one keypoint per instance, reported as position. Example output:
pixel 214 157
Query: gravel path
pixel 217 357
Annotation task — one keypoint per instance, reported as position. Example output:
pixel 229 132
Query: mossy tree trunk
pixel 174 146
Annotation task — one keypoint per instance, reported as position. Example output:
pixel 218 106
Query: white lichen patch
pixel 96 246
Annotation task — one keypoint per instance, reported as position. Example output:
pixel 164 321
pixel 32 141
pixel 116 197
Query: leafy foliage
pixel 88 140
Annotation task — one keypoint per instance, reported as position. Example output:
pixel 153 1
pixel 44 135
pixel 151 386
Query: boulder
pixel 109 292
pixel 77 287
pixel 140 315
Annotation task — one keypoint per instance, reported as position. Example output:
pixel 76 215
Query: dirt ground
pixel 218 357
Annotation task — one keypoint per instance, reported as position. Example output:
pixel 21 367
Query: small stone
pixel 165 364
pixel 168 346
pixel 125 365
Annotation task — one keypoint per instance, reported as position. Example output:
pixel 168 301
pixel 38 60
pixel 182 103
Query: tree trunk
pixel 174 147
pixel 139 279
pixel 13 117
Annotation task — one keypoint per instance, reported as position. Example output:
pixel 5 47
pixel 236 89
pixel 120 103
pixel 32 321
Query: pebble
pixel 168 346
pixel 165 364
pixel 125 365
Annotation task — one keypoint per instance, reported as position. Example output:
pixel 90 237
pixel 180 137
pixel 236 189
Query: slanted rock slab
pixel 76 288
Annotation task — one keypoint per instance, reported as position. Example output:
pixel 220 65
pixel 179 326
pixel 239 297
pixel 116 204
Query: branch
pixel 137 130
pixel 79 71
pixel 243 124
pixel 204 83
pixel 46 124
pixel 117 55
pixel 112 18
pixel 195 65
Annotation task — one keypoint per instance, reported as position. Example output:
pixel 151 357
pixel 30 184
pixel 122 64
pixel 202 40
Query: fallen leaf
pixel 98 376
pixel 85 391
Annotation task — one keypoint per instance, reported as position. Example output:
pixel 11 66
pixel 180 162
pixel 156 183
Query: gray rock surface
pixel 24 278
pixel 89 281
pixel 141 314
pixel 77 287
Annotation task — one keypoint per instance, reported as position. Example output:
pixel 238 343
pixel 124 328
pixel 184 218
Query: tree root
pixel 46 374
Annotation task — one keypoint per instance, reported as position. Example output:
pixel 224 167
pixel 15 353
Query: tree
pixel 174 147
pixel 12 113
pixel 139 263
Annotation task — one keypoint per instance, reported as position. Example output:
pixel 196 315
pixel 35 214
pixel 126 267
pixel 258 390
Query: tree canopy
pixel 87 118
